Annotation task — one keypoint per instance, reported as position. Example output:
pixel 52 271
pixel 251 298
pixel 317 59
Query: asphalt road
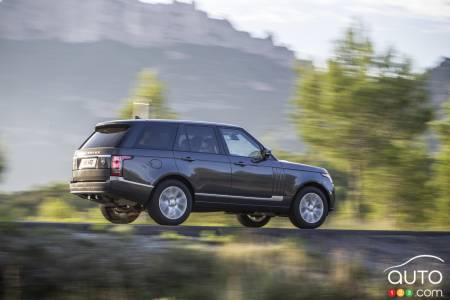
pixel 194 231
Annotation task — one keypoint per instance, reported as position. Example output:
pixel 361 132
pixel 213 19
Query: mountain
pixel 130 22
pixel 439 83
pixel 69 64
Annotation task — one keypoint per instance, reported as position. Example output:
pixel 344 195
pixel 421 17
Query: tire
pixel 306 214
pixel 171 203
pixel 119 215
pixel 252 220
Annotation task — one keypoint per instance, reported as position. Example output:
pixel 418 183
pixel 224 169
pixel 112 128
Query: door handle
pixel 240 163
pixel 187 158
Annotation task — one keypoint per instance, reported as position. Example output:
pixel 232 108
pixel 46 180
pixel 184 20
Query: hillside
pixel 131 22
pixel 52 94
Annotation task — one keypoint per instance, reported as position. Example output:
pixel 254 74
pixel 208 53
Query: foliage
pixel 365 113
pixel 35 264
pixel 441 168
pixel 30 204
pixel 55 208
pixel 150 90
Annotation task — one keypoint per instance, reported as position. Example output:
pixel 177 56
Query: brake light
pixel 117 164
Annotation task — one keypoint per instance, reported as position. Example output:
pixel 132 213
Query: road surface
pixel 378 247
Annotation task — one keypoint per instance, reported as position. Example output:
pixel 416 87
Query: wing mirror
pixel 266 153
pixel 262 155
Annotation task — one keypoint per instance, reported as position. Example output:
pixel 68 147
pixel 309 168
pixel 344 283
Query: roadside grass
pixel 64 264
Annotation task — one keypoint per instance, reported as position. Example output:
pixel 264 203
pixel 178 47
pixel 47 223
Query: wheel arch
pixel 174 176
pixel 316 185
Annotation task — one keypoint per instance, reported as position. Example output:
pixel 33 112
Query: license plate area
pixel 88 163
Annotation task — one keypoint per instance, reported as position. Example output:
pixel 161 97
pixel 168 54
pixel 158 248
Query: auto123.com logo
pixel 418 277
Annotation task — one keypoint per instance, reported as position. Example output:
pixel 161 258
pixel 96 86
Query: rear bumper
pixel 115 188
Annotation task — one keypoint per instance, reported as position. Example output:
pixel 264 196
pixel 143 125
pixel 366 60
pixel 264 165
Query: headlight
pixel 327 175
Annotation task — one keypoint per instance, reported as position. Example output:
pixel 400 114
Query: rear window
pixel 157 137
pixel 106 137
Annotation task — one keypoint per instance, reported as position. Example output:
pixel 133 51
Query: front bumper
pixel 332 196
pixel 111 190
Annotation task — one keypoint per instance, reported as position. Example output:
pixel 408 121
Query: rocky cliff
pixel 128 21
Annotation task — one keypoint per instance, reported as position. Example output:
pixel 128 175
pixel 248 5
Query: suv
pixel 172 168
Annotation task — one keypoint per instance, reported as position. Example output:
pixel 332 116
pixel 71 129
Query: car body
pixel 213 167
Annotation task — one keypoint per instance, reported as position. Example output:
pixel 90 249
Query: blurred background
pixel 358 87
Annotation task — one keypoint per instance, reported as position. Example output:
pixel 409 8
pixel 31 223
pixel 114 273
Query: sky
pixel 419 29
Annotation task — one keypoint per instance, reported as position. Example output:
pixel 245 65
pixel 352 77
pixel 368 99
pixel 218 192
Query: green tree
pixel 55 208
pixel 150 90
pixel 441 168
pixel 361 111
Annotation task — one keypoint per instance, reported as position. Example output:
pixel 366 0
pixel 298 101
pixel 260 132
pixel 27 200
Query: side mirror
pixel 266 153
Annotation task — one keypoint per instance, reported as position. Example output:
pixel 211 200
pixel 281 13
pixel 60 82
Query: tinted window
pixel 106 137
pixel 181 143
pixel 239 143
pixel 202 139
pixel 157 137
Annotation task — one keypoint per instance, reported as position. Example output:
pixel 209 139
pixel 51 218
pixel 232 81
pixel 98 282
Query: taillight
pixel 117 164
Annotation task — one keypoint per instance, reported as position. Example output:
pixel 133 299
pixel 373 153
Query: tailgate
pixel 91 165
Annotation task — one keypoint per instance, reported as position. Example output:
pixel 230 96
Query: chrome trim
pixel 117 178
pixel 87 192
pixel 92 155
pixel 273 198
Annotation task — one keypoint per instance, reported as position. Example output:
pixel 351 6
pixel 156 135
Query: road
pixel 194 231
pixel 265 263
pixel 378 247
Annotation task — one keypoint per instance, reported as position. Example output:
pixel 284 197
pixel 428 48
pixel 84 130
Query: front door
pixel 251 176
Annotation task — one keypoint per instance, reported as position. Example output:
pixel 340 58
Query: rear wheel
pixel 253 220
pixel 119 215
pixel 171 203
pixel 309 209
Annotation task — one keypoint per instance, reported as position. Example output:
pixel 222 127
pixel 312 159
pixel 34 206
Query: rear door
pixel 92 162
pixel 152 153
pixel 199 156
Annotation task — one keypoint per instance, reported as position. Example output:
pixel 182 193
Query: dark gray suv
pixel 172 168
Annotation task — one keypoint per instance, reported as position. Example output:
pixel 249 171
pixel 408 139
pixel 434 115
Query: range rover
pixel 172 168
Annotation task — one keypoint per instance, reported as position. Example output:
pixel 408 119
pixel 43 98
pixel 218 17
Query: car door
pixel 251 176
pixel 200 157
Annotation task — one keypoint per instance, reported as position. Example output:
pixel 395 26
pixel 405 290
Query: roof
pixel 163 121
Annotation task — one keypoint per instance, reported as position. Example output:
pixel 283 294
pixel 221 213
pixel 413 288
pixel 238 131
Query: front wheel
pixel 253 220
pixel 309 209
pixel 171 203
pixel 119 215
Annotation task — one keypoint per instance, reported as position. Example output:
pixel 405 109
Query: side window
pixel 239 143
pixel 181 143
pixel 202 139
pixel 157 137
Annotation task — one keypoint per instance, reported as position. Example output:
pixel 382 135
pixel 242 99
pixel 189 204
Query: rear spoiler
pixel 100 126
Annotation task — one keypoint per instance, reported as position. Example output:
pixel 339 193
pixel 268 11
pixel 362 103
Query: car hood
pixel 301 167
